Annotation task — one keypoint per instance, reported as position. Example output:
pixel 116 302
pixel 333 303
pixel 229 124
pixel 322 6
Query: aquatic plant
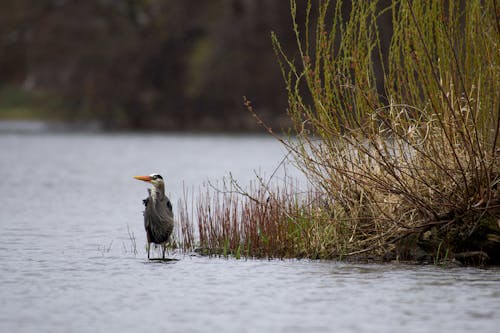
pixel 133 242
pixel 265 221
pixel 401 153
pixel 423 150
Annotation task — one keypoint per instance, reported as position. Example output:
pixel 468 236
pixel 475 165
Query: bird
pixel 158 212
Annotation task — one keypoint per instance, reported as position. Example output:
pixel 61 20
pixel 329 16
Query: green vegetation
pixel 404 169
pixel 18 104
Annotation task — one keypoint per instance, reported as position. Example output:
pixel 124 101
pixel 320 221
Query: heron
pixel 158 213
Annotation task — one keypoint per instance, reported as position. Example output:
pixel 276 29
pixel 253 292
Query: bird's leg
pixel 149 246
pixel 164 247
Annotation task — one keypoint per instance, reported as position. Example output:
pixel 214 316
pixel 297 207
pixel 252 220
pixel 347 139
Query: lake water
pixel 68 204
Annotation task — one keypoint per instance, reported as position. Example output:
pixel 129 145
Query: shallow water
pixel 67 263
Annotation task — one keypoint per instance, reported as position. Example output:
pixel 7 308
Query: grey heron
pixel 158 214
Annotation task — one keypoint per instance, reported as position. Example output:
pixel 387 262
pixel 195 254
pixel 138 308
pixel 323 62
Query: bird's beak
pixel 143 178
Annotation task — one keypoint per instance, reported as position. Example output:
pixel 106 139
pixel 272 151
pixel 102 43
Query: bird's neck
pixel 158 192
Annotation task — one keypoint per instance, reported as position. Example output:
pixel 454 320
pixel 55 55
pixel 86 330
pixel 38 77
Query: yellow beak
pixel 143 178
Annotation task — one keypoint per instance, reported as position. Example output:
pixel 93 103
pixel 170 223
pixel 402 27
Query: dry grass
pixel 262 222
pixel 420 156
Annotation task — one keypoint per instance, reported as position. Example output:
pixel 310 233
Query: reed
pixel 185 239
pixel 133 242
pixel 264 222
pixel 424 151
pixel 413 162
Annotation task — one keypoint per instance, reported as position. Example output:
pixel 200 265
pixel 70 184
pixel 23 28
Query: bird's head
pixel 155 179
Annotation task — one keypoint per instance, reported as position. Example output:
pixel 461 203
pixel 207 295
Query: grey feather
pixel 158 216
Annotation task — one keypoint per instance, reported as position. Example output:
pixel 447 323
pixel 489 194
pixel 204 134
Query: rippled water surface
pixel 68 203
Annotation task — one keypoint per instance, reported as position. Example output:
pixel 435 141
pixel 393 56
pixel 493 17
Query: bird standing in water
pixel 158 214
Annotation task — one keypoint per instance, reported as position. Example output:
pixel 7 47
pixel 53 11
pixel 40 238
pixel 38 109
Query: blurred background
pixel 165 65
pixel 143 64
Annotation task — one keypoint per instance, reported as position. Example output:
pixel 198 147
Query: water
pixel 67 264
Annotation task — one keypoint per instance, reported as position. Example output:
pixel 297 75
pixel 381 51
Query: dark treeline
pixel 149 64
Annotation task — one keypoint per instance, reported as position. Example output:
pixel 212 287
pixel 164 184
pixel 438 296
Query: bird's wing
pixel 169 205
